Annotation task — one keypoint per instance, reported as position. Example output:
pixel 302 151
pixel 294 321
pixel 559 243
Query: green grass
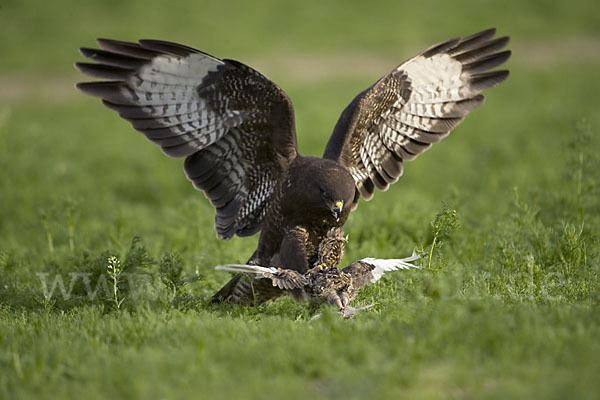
pixel 508 307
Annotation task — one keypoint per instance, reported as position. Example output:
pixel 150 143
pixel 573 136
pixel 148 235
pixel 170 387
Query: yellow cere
pixel 339 204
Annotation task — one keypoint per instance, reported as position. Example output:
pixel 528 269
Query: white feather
pixel 170 70
pixel 250 269
pixel 393 264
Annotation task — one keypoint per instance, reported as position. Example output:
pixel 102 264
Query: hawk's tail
pixel 245 290
pixel 226 292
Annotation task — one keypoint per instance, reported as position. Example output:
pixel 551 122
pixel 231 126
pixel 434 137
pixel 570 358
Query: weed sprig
pixel 114 270
pixel 445 224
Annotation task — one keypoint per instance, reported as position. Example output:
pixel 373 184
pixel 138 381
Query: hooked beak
pixel 337 210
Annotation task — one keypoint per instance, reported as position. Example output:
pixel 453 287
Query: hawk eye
pixel 325 195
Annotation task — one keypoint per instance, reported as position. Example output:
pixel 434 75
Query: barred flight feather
pixel 208 110
pixel 434 92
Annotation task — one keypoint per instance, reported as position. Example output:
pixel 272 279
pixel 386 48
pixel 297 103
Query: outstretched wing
pixel 234 126
pixel 370 270
pixel 415 105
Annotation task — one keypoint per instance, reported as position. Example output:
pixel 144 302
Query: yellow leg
pixel 319 267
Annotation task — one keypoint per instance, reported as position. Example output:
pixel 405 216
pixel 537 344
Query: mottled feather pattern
pixel 321 283
pixel 324 284
pixel 219 172
pixel 255 205
pixel 431 94
pixel 331 249
pixel 255 284
pixel 241 86
pixel 367 147
pixel 233 125
pixel 289 279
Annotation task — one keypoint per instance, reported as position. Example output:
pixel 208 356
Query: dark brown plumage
pixel 235 128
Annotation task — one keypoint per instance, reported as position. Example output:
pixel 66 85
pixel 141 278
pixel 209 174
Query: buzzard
pixel 235 128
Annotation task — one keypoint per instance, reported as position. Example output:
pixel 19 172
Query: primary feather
pixel 382 266
pixel 249 269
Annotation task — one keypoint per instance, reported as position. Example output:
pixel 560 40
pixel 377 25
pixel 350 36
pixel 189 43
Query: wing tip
pixel 366 188
pixel 103 71
pixel 441 47
pixel 102 89
pixel 487 33
pixel 164 46
pixel 87 87
pixel 486 63
pixel 106 42
pixel 488 80
pixel 87 52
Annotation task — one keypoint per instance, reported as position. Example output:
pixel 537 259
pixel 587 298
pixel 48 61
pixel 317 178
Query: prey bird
pixel 235 129
pixel 322 283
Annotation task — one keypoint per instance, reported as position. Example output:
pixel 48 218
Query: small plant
pixel 170 270
pixel 137 257
pixel 3 259
pixel 572 242
pixel 171 274
pixel 45 223
pixel 70 206
pixel 582 170
pixel 114 271
pixel 47 303
pixel 580 147
pixel 446 222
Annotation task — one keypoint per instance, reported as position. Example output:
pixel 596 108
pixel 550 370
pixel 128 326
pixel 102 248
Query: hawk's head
pixel 335 206
pixel 320 189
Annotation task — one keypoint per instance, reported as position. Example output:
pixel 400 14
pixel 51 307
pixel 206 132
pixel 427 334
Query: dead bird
pixel 321 283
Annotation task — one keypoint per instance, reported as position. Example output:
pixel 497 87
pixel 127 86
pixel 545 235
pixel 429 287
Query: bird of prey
pixel 235 128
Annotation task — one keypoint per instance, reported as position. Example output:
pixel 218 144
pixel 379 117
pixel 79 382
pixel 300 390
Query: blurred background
pixel 58 145
pixel 77 183
pixel 61 150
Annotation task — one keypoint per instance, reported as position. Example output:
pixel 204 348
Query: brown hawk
pixel 235 129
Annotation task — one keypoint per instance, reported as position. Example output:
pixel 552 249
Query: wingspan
pixel 413 106
pixel 234 126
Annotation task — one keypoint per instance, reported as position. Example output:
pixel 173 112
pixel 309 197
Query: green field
pixel 508 308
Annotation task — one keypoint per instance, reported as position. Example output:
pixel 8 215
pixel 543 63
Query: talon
pixel 345 299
